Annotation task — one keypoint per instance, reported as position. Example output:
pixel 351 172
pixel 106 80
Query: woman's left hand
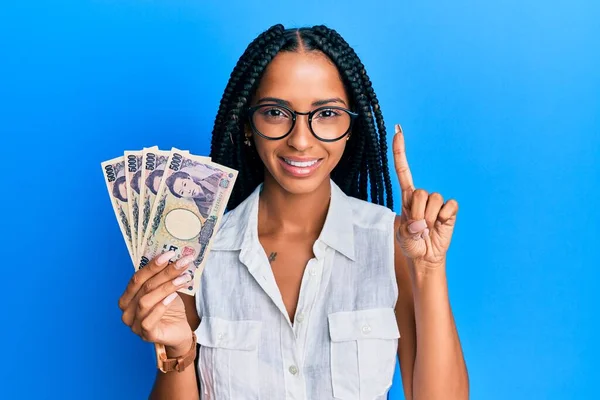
pixel 426 222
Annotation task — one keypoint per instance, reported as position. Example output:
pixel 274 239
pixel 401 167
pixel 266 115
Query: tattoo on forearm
pixel 272 257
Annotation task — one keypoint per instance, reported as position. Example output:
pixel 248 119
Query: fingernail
pixel 398 128
pixel 191 270
pixel 180 280
pixel 169 298
pixel 417 226
pixel 183 262
pixel 425 233
pixel 164 258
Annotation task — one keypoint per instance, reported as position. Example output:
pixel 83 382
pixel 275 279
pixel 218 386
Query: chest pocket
pixel 363 349
pixel 228 358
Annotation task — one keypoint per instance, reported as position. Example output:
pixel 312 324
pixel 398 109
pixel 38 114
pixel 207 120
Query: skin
pixel 291 215
pixel 292 210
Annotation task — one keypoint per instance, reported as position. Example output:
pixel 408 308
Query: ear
pixel 247 130
pixel 247 135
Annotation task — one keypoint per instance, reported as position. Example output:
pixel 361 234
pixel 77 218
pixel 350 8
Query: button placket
pixel 294 381
pixel 308 293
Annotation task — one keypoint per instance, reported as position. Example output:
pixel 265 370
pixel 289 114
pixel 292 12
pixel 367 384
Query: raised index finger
pixel 401 162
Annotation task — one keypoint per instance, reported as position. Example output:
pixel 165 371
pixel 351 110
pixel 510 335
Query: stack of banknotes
pixel 168 200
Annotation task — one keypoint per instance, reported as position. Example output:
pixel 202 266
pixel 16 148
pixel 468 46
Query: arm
pixel 179 385
pixel 430 354
pixel 405 316
pixel 423 233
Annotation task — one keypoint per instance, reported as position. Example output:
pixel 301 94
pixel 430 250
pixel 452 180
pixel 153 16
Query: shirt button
pixel 293 370
pixel 366 329
pixel 300 317
pixel 312 271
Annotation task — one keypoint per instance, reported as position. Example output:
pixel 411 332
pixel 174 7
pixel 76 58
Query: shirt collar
pixel 236 230
pixel 338 230
pixel 239 228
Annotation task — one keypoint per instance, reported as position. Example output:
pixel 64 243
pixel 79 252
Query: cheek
pixel 336 150
pixel 265 148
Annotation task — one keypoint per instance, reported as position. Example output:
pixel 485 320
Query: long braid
pixel 382 140
pixel 235 123
pixel 351 160
pixel 382 154
pixel 357 71
pixel 363 165
pixel 230 125
pixel 236 75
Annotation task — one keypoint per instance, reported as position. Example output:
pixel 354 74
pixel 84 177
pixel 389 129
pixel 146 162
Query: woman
pixel 309 291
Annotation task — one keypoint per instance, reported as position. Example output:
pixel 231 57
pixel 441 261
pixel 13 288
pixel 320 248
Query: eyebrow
pixel 314 104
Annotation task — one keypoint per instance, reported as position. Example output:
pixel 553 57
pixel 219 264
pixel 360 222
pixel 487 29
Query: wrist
pixel 424 273
pixel 180 349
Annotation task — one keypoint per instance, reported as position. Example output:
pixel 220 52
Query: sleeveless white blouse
pixel 343 342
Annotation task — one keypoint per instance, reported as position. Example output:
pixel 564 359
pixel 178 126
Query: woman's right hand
pixel 152 307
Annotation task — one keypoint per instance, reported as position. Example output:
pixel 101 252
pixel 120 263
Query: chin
pixel 299 184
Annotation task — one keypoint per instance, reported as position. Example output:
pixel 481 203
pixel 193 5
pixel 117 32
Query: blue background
pixel 500 104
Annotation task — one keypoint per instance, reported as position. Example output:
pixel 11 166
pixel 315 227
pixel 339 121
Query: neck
pixel 281 212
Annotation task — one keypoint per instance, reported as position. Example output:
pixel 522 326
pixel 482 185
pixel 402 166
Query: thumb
pixel 415 229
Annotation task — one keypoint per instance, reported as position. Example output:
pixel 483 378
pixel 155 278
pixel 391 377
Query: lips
pixel 300 167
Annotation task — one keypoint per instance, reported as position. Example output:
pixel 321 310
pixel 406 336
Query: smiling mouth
pixel 300 168
pixel 300 164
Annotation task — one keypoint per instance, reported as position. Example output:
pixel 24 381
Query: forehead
pixel 301 78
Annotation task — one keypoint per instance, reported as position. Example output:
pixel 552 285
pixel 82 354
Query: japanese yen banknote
pixel 168 200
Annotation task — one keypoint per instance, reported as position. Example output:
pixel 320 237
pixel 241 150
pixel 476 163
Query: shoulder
pixel 370 215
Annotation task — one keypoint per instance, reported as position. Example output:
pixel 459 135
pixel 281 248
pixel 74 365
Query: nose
pixel 301 138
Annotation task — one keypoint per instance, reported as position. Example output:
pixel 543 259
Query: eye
pixel 328 113
pixel 273 113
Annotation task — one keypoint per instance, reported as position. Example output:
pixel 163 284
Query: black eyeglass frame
pixel 294 114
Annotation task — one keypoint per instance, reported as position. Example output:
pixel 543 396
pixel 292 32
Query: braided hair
pixel 363 168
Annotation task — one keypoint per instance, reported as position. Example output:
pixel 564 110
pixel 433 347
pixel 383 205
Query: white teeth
pixel 303 164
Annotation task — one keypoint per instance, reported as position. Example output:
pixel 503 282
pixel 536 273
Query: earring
pixel 247 142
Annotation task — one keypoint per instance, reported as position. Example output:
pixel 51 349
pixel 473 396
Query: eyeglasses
pixel 276 121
